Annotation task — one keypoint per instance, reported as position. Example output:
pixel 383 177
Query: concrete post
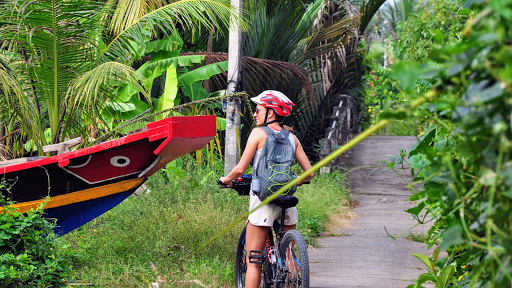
pixel 334 122
pixel 340 113
pixel 325 149
pixel 231 152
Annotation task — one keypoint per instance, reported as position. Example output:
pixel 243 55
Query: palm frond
pixel 260 74
pixel 91 89
pixel 15 110
pixel 276 28
pixel 368 10
pixel 184 14
pixel 53 42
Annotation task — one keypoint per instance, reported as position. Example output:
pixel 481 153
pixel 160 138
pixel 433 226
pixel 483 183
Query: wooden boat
pixel 86 183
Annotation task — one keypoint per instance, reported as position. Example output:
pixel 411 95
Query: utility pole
pixel 231 152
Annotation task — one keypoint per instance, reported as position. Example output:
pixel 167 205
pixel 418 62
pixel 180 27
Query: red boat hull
pixel 85 183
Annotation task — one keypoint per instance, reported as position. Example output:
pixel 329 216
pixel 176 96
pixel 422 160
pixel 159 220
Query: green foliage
pixel 381 87
pixel 182 82
pixel 28 251
pixel 434 23
pixel 420 237
pixel 441 277
pixel 464 159
pixel 383 94
pixel 60 67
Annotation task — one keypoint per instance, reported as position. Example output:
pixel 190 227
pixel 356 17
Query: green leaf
pixel 436 254
pixel 416 210
pixel 424 278
pixel 445 276
pixel 109 114
pixel 202 73
pixel 425 260
pixel 153 69
pixel 423 142
pixel 419 161
pixel 122 107
pixel 433 195
pixel 221 124
pixel 195 91
pixel 451 236
pixel 438 36
pixel 407 73
pixel 125 92
pixel 417 196
pixel 164 48
pixel 377 50
pixel 508 192
pixel 465 149
pixel 162 65
pixel 166 101
pixel 393 115
pixel 480 93
pixel 464 11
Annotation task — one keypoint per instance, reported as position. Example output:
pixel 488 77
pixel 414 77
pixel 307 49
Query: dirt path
pixel 366 256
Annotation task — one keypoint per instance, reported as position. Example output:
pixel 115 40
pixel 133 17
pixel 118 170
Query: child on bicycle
pixel 272 107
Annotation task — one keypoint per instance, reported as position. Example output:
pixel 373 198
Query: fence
pixel 343 126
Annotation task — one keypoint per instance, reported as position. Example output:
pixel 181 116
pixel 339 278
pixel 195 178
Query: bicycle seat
pixel 285 201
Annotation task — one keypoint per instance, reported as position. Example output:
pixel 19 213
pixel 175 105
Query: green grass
pixel 417 237
pixel 176 217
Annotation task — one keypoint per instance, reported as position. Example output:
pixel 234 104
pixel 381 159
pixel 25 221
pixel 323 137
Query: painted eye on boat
pixel 120 161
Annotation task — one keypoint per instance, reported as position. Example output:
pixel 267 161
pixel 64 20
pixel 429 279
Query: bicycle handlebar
pixel 242 184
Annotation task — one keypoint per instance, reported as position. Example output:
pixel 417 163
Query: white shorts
pixel 267 214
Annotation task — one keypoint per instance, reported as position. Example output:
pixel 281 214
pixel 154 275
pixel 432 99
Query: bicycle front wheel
pixel 294 252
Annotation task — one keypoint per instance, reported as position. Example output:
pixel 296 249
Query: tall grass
pixel 175 217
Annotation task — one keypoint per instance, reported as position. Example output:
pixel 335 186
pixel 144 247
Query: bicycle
pixel 284 262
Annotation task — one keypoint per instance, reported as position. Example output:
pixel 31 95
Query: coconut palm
pixel 62 59
pixel 321 37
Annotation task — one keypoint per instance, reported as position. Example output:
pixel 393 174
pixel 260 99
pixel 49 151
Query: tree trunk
pixel 233 106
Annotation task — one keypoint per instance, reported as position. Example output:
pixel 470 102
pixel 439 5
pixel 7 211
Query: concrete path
pixel 366 256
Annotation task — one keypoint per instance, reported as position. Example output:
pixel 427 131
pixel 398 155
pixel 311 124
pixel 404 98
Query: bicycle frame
pixel 276 270
pixel 279 276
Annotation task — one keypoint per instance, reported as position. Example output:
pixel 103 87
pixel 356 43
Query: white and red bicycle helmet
pixel 276 100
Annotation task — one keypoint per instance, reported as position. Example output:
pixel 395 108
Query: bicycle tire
pixel 299 254
pixel 240 265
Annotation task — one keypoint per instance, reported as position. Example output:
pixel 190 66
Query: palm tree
pixel 320 36
pixel 317 40
pixel 62 59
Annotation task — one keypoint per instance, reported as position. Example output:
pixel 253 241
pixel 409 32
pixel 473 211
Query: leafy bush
pixel 383 93
pixel 28 254
pixel 465 157
pixel 435 21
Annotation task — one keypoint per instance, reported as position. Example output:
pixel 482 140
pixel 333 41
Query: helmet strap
pixel 266 117
pixel 268 123
pixel 265 123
